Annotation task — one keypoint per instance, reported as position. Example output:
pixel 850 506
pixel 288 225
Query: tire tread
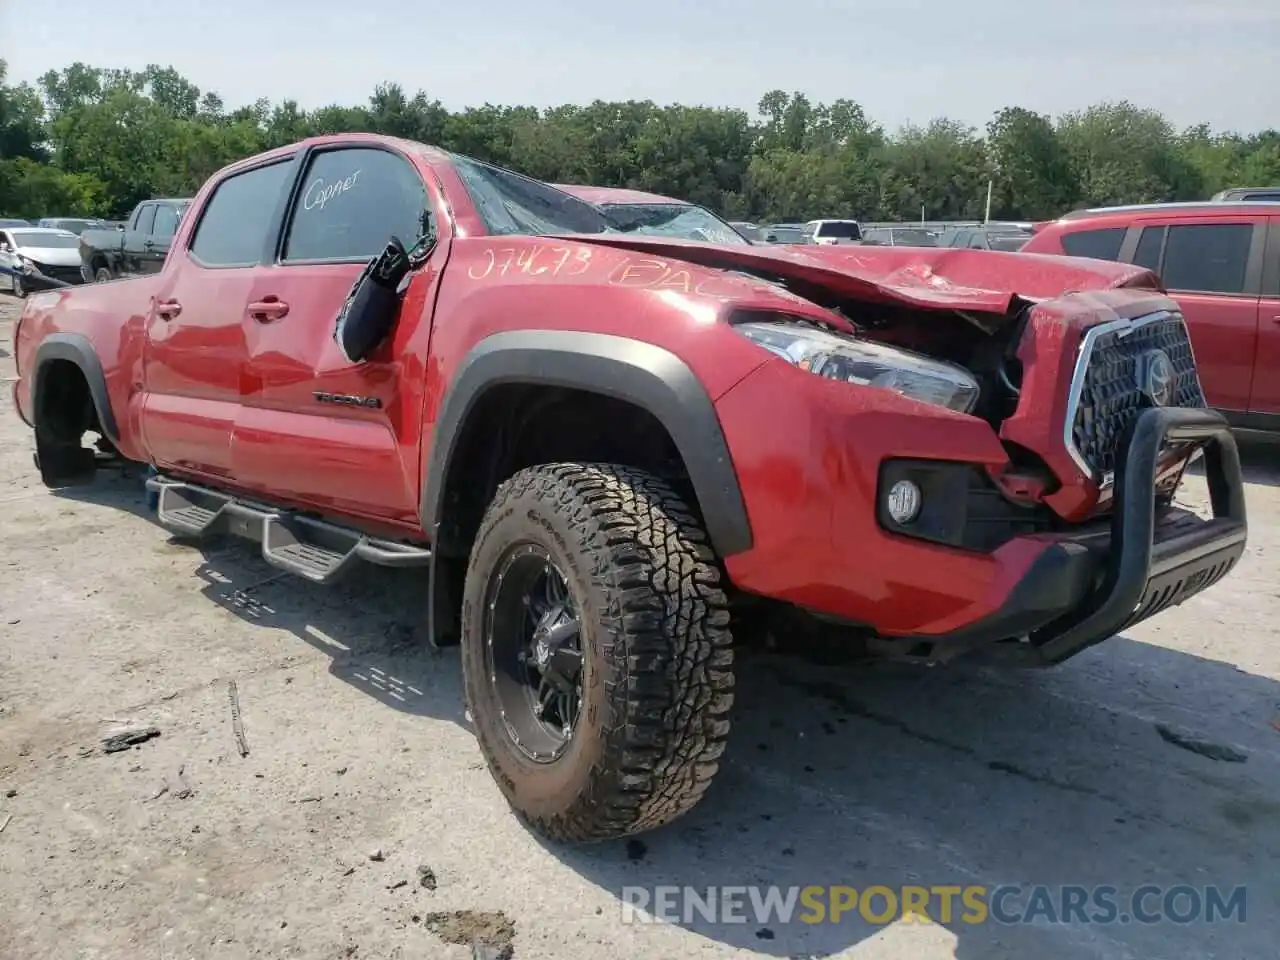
pixel 660 587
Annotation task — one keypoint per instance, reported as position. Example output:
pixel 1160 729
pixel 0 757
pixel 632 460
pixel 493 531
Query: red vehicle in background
pixel 606 449
pixel 1220 261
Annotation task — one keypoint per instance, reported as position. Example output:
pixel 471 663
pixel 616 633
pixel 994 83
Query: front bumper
pixel 1087 588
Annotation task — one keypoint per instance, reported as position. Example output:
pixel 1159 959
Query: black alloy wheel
pixel 534 652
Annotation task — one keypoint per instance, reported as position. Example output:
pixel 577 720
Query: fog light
pixel 903 502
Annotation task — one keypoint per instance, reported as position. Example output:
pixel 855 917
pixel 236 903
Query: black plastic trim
pixel 639 373
pixel 1271 259
pixel 1081 592
pixel 77 349
pixel 960 507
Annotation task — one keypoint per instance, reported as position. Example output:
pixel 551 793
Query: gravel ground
pixel 358 746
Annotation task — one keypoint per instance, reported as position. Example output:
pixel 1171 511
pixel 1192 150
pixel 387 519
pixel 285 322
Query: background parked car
pixel 76 225
pixel 900 236
pixel 785 233
pixel 1006 237
pixel 752 231
pixel 13 222
pixel 1221 263
pixel 832 231
pixel 1246 193
pixel 656 215
pixel 55 253
pixel 136 248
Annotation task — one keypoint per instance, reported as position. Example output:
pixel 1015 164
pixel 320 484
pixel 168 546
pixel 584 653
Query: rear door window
pixel 1099 244
pixel 166 221
pixel 146 218
pixel 233 229
pixel 1207 257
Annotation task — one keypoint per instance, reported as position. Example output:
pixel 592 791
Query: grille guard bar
pixel 1135 559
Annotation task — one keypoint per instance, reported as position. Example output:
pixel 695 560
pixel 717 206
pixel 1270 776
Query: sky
pixel 908 61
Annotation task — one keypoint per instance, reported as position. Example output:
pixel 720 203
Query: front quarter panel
pixel 499 285
pixel 808 452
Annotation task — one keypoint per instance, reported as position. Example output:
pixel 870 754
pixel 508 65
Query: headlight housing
pixel 838 356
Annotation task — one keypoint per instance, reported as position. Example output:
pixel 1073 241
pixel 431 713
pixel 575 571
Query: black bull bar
pixel 1083 590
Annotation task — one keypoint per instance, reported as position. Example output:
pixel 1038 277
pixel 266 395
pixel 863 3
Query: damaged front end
pixel 1055 514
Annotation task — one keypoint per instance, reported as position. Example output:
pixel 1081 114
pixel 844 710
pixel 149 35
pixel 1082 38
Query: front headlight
pixel 838 356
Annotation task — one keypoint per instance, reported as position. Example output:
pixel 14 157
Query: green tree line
pixel 88 140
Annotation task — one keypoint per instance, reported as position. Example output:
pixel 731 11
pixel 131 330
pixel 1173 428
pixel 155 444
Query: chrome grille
pixel 1107 389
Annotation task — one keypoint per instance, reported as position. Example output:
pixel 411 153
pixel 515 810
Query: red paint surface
pixel 217 394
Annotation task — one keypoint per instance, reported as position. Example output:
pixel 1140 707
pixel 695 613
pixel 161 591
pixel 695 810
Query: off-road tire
pixel 658 666
pixel 103 275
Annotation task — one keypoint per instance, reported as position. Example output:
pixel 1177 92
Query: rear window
pixel 49 241
pixel 1099 244
pixel 1207 257
pixel 841 230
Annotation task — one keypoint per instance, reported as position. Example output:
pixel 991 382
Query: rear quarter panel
pixel 112 317
pixel 101 241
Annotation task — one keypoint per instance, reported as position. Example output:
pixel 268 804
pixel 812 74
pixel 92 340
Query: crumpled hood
pixel 929 277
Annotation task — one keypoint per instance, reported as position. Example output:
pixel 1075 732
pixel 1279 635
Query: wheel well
pixel 514 426
pixel 64 408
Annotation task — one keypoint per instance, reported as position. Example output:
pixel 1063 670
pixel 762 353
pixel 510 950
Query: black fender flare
pixel 640 373
pixel 77 349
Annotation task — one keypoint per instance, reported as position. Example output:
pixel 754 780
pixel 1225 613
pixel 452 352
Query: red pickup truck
pixel 606 450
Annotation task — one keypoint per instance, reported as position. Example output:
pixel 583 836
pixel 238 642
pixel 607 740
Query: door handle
pixel 268 309
pixel 168 309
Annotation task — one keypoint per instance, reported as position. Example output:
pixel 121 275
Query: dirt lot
pixel 358 745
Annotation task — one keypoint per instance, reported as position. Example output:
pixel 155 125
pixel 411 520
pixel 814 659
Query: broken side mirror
pixel 373 304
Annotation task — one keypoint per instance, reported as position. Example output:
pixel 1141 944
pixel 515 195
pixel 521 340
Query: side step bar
pixel 315 549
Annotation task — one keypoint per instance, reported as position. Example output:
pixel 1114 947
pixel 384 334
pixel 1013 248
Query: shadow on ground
pixel 1259 458
pixel 899 776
